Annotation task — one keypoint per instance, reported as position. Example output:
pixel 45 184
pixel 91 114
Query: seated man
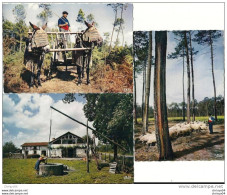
pixel 64 26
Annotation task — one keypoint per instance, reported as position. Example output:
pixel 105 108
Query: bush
pixel 33 156
pixel 5 155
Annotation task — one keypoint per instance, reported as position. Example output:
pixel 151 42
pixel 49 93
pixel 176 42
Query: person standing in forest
pixel 211 122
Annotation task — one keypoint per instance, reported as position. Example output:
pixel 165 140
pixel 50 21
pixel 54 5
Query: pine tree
pixel 20 27
pixel 46 13
pixel 204 37
pixel 147 89
pixel 160 108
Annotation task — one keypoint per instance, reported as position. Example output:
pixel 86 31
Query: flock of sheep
pixel 180 129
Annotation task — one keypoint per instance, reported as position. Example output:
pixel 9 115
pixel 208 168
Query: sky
pixel 202 73
pixel 26 117
pixel 103 14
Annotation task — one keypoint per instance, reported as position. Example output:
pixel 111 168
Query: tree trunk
pixel 160 108
pixel 113 31
pixel 20 42
pixel 119 29
pixel 123 37
pixel 188 73
pixel 212 68
pixel 134 99
pixel 115 152
pixel 183 109
pixel 144 69
pixel 192 71
pixel 147 89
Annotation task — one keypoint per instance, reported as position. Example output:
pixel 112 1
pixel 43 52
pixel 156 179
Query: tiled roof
pixel 36 144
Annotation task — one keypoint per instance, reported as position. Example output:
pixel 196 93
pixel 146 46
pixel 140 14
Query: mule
pixel 37 46
pixel 88 39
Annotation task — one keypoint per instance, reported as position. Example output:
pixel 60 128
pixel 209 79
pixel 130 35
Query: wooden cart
pixel 59 47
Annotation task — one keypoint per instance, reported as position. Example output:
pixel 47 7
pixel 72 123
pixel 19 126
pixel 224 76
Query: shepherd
pixel 64 26
pixel 43 159
pixel 211 122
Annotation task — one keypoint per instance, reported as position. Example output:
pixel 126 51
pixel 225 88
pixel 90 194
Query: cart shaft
pixel 69 49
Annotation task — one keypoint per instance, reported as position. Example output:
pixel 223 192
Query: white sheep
pixel 175 131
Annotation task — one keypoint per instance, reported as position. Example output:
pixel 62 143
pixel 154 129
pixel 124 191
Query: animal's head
pixel 40 37
pixel 91 34
pixel 35 28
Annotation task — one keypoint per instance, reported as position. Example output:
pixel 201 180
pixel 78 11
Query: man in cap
pixel 64 26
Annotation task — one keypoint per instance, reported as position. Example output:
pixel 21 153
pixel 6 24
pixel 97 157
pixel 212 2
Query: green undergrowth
pixel 197 118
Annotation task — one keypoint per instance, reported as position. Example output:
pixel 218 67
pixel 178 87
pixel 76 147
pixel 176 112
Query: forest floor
pixel 103 79
pixel 63 81
pixel 196 146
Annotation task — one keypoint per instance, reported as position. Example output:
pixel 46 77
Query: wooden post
pixel 87 152
pixel 123 162
pixel 50 132
pixel 52 41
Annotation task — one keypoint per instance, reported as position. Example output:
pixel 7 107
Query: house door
pixel 64 153
pixel 44 152
pixel 70 152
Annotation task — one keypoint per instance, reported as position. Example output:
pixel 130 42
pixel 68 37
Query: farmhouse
pixel 67 145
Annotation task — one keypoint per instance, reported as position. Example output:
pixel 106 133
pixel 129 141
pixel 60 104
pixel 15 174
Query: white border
pixel 179 16
pixel 179 171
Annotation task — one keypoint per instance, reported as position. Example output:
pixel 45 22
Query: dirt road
pixel 62 81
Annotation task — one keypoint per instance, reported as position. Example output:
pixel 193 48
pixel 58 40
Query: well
pixel 51 169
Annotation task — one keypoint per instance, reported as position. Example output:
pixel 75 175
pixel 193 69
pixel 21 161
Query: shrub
pixel 33 156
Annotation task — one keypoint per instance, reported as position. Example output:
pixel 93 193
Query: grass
pixel 197 118
pixel 21 171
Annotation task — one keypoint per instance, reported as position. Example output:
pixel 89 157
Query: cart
pixel 59 47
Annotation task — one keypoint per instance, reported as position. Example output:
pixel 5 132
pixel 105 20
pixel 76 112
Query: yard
pixel 21 171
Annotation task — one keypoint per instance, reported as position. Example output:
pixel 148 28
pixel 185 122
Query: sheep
pixel 180 129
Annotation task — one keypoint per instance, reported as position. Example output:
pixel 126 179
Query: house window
pixel 64 141
pixel 57 142
pixel 35 152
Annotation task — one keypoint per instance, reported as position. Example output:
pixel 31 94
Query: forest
pixel 110 62
pixel 172 130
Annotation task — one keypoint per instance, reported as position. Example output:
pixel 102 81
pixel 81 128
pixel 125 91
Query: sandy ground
pixel 64 81
pixel 197 146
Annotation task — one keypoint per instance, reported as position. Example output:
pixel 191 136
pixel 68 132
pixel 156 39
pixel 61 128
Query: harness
pixel 92 35
pixel 39 39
